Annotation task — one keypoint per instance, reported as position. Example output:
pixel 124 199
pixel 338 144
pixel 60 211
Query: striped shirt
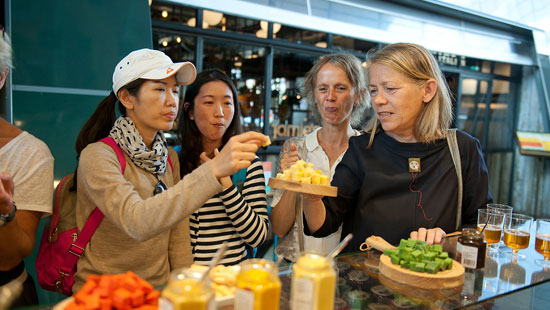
pixel 232 217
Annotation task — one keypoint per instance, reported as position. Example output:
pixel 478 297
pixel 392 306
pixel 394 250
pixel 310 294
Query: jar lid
pixel 472 233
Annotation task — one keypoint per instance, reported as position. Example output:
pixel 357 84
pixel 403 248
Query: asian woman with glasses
pixel 146 226
pixel 238 216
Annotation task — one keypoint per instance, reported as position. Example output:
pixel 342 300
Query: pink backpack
pixel 62 245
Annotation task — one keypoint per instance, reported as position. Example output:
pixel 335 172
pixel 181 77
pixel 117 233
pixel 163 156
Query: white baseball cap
pixel 151 65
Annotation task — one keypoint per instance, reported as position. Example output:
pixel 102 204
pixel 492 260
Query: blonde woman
pixel 399 180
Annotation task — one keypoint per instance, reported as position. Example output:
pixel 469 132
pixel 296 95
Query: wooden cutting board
pixel 444 279
pixel 314 189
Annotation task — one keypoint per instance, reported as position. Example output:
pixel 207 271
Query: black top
pixel 377 195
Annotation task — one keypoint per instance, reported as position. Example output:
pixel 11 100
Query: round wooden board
pixel 322 190
pixel 443 279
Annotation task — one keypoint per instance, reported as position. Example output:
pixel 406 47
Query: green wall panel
pixel 55 119
pixel 66 43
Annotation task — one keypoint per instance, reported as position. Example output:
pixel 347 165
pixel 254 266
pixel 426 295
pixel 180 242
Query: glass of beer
pixel 491 223
pixel 542 241
pixel 506 209
pixel 516 236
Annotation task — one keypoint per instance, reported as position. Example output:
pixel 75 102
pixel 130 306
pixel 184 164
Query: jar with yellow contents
pixel 258 286
pixel 185 291
pixel 313 283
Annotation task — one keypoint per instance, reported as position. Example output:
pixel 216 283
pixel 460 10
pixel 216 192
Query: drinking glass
pixel 542 241
pixel 517 235
pixel 506 209
pixel 491 223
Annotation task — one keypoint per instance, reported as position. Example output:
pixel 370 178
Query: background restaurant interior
pixel 495 58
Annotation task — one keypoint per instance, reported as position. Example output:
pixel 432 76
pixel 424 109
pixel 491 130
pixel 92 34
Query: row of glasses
pixel 517 227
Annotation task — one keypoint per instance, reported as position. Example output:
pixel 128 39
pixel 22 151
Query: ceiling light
pixel 276 26
pixel 212 18
pixel 178 39
pixel 164 13
pixel 262 34
pixel 192 22
pixel 321 44
pixel 164 43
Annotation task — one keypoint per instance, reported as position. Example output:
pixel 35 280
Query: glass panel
pixel 225 22
pixel 472 64
pixel 290 114
pixel 501 118
pixel 486 66
pixel 178 47
pixel 502 69
pixel 302 36
pixel 245 64
pixel 471 116
pixel 352 44
pixel 172 12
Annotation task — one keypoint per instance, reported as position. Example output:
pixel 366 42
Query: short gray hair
pixel 356 75
pixel 6 53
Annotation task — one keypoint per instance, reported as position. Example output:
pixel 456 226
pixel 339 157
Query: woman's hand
pixel 431 236
pixel 238 153
pixel 225 181
pixel 289 158
pixel 6 193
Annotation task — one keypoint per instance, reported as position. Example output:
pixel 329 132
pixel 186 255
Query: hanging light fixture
pixel 276 26
pixel 164 13
pixel 321 44
pixel 192 22
pixel 212 18
pixel 262 34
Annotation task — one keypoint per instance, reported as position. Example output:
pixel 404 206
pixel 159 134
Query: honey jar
pixel 185 291
pixel 470 249
pixel 258 286
pixel 313 283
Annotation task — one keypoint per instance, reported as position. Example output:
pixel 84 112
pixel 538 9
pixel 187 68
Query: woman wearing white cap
pixel 146 209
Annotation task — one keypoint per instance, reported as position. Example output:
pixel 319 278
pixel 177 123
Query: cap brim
pixel 185 73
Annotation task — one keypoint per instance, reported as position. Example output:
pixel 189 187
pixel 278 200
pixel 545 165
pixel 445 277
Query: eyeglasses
pixel 160 187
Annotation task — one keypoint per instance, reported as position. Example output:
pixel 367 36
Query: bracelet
pixel 6 218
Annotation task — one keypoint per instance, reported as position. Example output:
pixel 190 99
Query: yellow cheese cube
pixel 309 165
pixel 319 172
pixel 324 180
pixel 306 180
pixel 301 163
pixel 315 179
pixel 280 176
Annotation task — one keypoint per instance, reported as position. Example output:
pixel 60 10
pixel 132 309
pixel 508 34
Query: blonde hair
pixel 5 53
pixel 418 64
pixel 356 75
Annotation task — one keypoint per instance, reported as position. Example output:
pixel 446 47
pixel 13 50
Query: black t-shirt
pixel 377 195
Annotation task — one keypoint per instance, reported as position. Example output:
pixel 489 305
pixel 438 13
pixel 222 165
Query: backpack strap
pixel 79 245
pixel 55 216
pixel 170 163
pixel 455 154
pixel 111 142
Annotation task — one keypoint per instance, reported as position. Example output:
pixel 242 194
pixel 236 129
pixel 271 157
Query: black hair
pixel 102 120
pixel 189 135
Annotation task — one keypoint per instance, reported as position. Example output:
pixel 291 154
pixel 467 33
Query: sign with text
pixel 533 143
pixel 288 130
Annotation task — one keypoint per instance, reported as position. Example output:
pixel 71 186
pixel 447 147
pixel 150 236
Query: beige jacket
pixel 146 234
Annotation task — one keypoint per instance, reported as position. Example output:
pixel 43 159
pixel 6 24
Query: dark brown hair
pixel 189 134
